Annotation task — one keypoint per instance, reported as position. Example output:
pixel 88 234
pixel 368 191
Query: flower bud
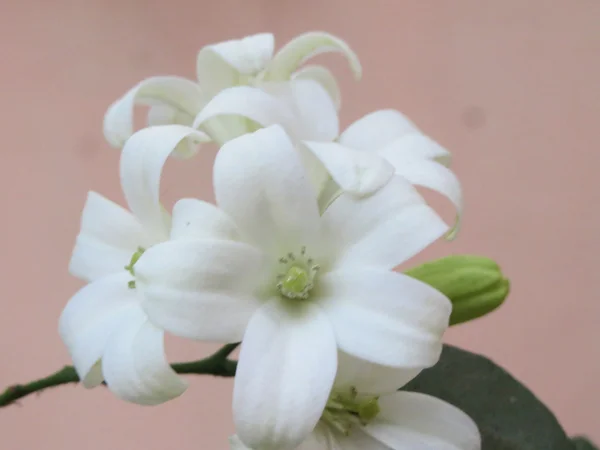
pixel 474 284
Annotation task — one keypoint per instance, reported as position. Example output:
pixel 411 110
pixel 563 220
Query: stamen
pixel 297 279
pixel 346 409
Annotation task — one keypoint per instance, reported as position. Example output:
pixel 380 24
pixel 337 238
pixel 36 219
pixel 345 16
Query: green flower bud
pixel 474 284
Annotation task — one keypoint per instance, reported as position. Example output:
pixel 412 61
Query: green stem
pixel 217 364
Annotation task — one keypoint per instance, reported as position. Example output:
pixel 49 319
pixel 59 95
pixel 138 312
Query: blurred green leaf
pixel 509 416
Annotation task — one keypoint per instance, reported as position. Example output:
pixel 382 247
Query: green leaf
pixel 508 415
pixel 582 443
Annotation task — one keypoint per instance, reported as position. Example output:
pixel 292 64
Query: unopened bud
pixel 474 284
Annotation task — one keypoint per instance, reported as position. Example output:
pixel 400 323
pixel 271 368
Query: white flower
pixel 361 159
pixel 265 266
pixel 107 333
pixel 244 62
pixel 365 411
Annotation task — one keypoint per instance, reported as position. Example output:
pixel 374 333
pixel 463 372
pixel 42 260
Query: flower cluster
pixel 295 260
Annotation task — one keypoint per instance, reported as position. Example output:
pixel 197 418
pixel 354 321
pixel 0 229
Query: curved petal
pixel 376 130
pixel 410 420
pixel 261 184
pixel 385 317
pixel 166 115
pixel 109 235
pixel 356 172
pixel 248 102
pixel 369 378
pixel 89 319
pixel 142 161
pixel 434 176
pixel 285 372
pixel 229 63
pixel 415 146
pixel 196 219
pixel 325 78
pixel 183 95
pixel 305 46
pixel 200 289
pixel 383 230
pixel 134 363
pixel 315 116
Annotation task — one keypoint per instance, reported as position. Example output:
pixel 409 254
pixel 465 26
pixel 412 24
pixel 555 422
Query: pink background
pixel 511 87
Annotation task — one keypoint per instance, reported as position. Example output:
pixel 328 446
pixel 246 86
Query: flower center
pixel 130 267
pixel 346 409
pixel 297 275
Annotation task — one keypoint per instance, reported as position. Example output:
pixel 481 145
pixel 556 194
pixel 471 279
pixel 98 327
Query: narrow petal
pixel 411 420
pixel 261 184
pixel 134 363
pixel 200 289
pixel 369 378
pixel 385 317
pixel 376 130
pixel 356 172
pixel 166 115
pixel 325 78
pixel 247 102
pixel 383 230
pixel 196 219
pixel 89 319
pixel 439 178
pixel 109 235
pixel 315 115
pixel 415 146
pixel 285 372
pixel 178 93
pixel 302 48
pixel 142 161
pixel 230 63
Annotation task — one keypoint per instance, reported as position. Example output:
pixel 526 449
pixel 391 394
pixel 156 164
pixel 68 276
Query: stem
pixel 216 364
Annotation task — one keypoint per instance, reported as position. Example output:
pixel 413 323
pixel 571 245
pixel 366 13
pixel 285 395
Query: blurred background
pixel 510 86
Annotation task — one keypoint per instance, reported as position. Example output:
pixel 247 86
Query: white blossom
pixel 104 327
pixel 365 411
pixel 265 266
pixel 245 62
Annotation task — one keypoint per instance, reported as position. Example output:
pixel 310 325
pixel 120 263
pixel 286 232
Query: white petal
pixel 410 420
pixel 201 220
pixel 230 63
pixel 235 443
pixel 325 78
pixel 385 317
pixel 134 363
pixel 359 440
pixel 359 173
pixel 199 289
pixel 247 102
pixel 315 115
pixel 369 378
pixel 376 130
pixel 302 48
pixel 285 372
pixel 142 161
pixel 108 238
pixel 89 319
pixel 183 95
pixel 261 184
pixel 435 176
pixel 321 438
pixel 415 146
pixel 166 115
pixel 385 229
